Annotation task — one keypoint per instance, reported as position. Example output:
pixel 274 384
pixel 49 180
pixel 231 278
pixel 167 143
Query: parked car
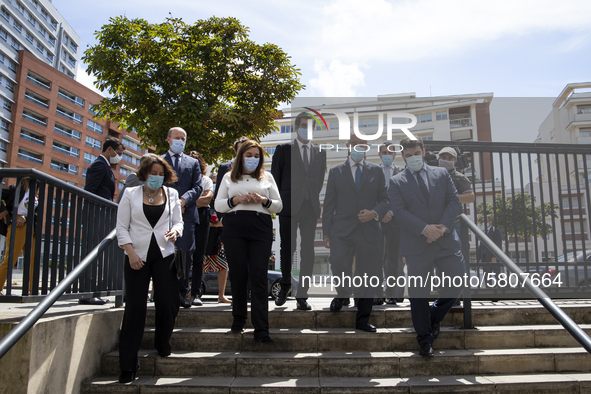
pixel 574 272
pixel 209 284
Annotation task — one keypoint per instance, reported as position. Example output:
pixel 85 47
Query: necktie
pixel 387 176
pixel 358 176
pixel 306 160
pixel 422 186
pixel 177 158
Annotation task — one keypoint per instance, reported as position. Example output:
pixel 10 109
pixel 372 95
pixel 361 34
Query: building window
pixel 93 142
pixel 271 150
pixel 5 15
pixel 89 157
pixel 372 122
pixel 40 47
pixel 585 132
pixel 132 145
pixel 3 34
pixel 334 124
pixel 94 126
pixel 441 115
pixel 29 37
pixel 285 129
pixel 124 171
pixel 131 159
pixel 84 173
pixel 7 106
pixel 20 8
pixel 17 26
pixel 425 118
pixel 427 138
pixel 4 125
pixel 583 109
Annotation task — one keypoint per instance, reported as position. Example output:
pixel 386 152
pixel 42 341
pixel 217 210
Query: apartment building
pixel 442 118
pixel 34 26
pixel 53 127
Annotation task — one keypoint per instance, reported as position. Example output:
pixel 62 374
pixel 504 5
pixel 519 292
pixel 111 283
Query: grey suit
pixel 131 181
pixel 349 237
pixel 414 213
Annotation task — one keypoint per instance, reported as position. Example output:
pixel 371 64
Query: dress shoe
pixel 346 301
pixel 435 327
pixel 266 339
pixel 365 327
pixel 391 301
pixel 282 296
pixel 399 299
pixel 128 376
pixel 378 301
pixel 92 301
pixel 302 305
pixel 185 303
pixel 426 350
pixel 336 304
pixel 237 328
pixel 197 301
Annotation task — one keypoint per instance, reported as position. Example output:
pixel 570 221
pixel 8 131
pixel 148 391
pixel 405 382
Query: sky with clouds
pixel 516 48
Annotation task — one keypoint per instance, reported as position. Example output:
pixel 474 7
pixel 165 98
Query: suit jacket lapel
pixel 414 186
pixel 432 182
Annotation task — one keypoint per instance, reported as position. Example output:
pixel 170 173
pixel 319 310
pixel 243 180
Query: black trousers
pixel 201 235
pixel 392 266
pixel 248 261
pixel 288 226
pixel 167 303
pixel 342 252
pixel 187 259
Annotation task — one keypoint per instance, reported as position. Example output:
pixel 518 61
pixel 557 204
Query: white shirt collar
pixel 107 160
pixel 300 144
pixel 353 164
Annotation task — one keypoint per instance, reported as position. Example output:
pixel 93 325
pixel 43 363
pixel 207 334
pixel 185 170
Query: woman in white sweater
pixel 248 195
pixel 149 221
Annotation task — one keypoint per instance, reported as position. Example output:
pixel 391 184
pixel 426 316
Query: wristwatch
pixel 23 217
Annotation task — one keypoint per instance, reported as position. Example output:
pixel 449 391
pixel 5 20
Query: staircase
pixel 517 347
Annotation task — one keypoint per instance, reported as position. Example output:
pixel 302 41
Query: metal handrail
pixel 29 321
pixel 573 329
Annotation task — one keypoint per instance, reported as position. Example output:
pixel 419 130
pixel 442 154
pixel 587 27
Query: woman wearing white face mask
pixel 248 195
pixel 149 221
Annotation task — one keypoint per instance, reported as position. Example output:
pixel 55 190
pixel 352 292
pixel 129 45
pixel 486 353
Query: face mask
pixel 356 155
pixel 154 181
pixel 303 133
pixel 116 159
pixel 251 163
pixel 387 160
pixel 415 163
pixel 448 165
pixel 177 146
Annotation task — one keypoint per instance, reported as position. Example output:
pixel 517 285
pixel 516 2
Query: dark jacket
pixel 100 179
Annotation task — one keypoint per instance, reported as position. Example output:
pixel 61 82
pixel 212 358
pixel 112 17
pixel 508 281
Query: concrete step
pixel 563 383
pixel 492 314
pixel 357 364
pixel 386 339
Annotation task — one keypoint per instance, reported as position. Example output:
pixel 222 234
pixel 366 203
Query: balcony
pixel 72 133
pixel 70 97
pixel 58 167
pixel 72 115
pixel 30 97
pixel 34 119
pixel 32 139
pixel 460 122
pixel 66 151
pixel 30 158
pixel 38 81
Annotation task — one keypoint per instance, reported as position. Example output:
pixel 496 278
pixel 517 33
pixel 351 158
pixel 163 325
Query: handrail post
pixel 467 290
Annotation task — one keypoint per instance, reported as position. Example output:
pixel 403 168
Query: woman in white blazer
pixel 149 220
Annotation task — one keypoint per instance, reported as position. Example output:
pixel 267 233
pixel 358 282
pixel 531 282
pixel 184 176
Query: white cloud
pixel 336 80
pixel 85 79
pixel 399 31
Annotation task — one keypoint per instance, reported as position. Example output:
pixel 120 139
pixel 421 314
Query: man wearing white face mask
pixel 425 202
pixel 99 176
pixel 189 188
pixel 101 181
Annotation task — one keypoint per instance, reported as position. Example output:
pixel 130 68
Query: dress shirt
pixel 309 145
pixel 105 159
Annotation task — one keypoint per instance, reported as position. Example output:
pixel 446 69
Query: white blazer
pixel 133 227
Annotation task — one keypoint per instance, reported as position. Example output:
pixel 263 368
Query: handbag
pixel 177 259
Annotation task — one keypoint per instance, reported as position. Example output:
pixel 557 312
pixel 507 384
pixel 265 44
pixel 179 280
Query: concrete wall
pixel 59 353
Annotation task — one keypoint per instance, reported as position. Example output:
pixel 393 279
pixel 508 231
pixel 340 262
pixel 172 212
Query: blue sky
pixel 518 48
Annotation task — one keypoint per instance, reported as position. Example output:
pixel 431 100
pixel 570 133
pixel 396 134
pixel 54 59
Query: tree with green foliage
pixel 208 78
pixel 510 216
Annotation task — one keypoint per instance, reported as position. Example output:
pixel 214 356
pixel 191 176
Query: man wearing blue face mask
pixel 189 188
pixel 355 202
pixel 390 246
pixel 425 202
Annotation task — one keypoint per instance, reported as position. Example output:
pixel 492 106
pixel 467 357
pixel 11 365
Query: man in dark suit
pixel 101 181
pixel 303 165
pixel 99 176
pixel 425 202
pixel 390 246
pixel 486 256
pixel 356 200
pixel 189 188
